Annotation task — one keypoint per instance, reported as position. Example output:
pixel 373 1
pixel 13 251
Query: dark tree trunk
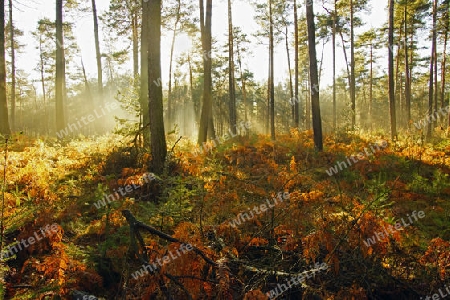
pixel 158 138
pixel 296 104
pixel 60 68
pixel 391 71
pixel 206 114
pixel 436 86
pixel 268 98
pixel 346 59
pixel 407 74
pixel 371 88
pixel 334 67
pixel 4 123
pixel 352 67
pixel 231 83
pixel 444 55
pixel 143 94
pixel 444 60
pixel 13 68
pixel 271 79
pixel 314 79
pixel 431 78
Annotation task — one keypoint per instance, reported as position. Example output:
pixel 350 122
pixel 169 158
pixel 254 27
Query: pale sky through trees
pixel 243 12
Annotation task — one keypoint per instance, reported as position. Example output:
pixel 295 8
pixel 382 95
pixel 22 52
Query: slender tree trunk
pixel 244 91
pixel 206 114
pixel 98 53
pixel 191 88
pixel 60 68
pixel 321 60
pixel 143 94
pixel 4 123
pixel 296 104
pixel 314 90
pixel 431 78
pixel 44 92
pixel 371 88
pixel 13 68
pixel 391 71
pixel 444 59
pixel 398 78
pixel 272 87
pixel 334 67
pixel 231 83
pixel 436 86
pixel 268 97
pixel 346 59
pixel 86 85
pixel 407 75
pixel 134 28
pixel 352 66
pixel 86 82
pixel 308 102
pixel 158 138
pixel 172 48
pixel 291 88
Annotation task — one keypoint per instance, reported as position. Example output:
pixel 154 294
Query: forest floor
pixel 252 213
